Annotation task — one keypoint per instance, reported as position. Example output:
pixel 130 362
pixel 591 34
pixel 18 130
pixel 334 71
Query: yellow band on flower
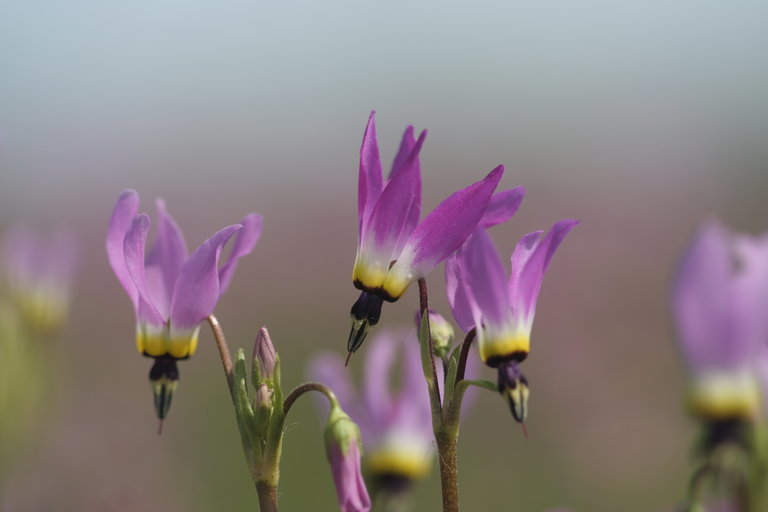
pixel 719 397
pixel 162 344
pixel 503 347
pixel 402 463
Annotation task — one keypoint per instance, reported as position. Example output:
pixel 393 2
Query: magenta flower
pixel 394 248
pixel 172 291
pixel 719 301
pixel 396 426
pixel 38 271
pixel 342 446
pixel 500 308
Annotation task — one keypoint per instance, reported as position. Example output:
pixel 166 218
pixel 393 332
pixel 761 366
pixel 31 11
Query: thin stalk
pixel 465 354
pixel 226 358
pixel 305 388
pixel 424 308
pixel 446 435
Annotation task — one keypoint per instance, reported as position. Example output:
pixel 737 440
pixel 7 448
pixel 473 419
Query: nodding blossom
pixel 172 291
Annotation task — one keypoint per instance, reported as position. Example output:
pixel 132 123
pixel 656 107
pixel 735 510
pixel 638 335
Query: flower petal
pixel 395 213
pixel 443 230
pixel 134 247
pixel 526 282
pixel 370 181
pixel 348 478
pixel 198 289
pixel 709 303
pixel 244 243
pixel 457 295
pixel 165 260
pixel 125 210
pixel 379 362
pixel 328 368
pixel 485 278
pixel 502 206
pixel 406 147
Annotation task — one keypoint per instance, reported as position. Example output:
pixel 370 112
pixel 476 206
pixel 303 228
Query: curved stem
pixel 465 354
pixel 305 388
pixel 226 358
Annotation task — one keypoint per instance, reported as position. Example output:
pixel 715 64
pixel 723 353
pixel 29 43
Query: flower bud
pixel 440 330
pixel 264 353
pixel 342 445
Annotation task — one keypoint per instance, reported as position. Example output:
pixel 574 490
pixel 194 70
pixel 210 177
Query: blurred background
pixel 638 118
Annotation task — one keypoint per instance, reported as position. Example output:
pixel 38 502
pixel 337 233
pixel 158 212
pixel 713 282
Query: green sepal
pixel 246 421
pixel 482 383
pixel 426 360
pixel 450 380
pixel 277 388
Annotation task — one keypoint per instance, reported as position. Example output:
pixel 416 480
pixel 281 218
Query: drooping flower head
pixel 172 291
pixel 342 447
pixel 396 425
pixel 394 248
pixel 38 271
pixel 502 308
pixel 719 301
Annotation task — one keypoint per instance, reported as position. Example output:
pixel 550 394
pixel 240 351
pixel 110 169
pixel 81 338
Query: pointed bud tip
pixel 264 352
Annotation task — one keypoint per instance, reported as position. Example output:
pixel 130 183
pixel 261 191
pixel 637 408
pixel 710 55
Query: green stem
pixel 446 434
pixel 449 472
pixel 305 388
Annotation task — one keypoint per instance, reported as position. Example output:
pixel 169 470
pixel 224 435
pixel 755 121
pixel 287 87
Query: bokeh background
pixel 638 118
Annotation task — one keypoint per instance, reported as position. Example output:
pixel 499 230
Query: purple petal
pixel 197 289
pixel 134 247
pixel 165 260
pixel 328 368
pixel 485 278
pixel 406 147
pixel 446 227
pixel 244 244
pixel 502 207
pixel 457 295
pixel 370 181
pixel 379 362
pixel 709 304
pixel 125 210
pixel 348 478
pixel 396 212
pixel 530 262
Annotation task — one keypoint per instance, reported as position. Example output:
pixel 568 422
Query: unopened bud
pixel 264 353
pixel 440 330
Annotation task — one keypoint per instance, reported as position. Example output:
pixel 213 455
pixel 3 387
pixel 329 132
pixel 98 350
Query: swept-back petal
pixel 125 210
pixel 442 232
pixel 379 361
pixel 244 243
pixel 396 212
pixel 197 289
pixel 502 207
pixel 457 294
pixel 165 260
pixel 134 247
pixel 485 278
pixel 527 283
pixel 370 181
pixel 708 303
